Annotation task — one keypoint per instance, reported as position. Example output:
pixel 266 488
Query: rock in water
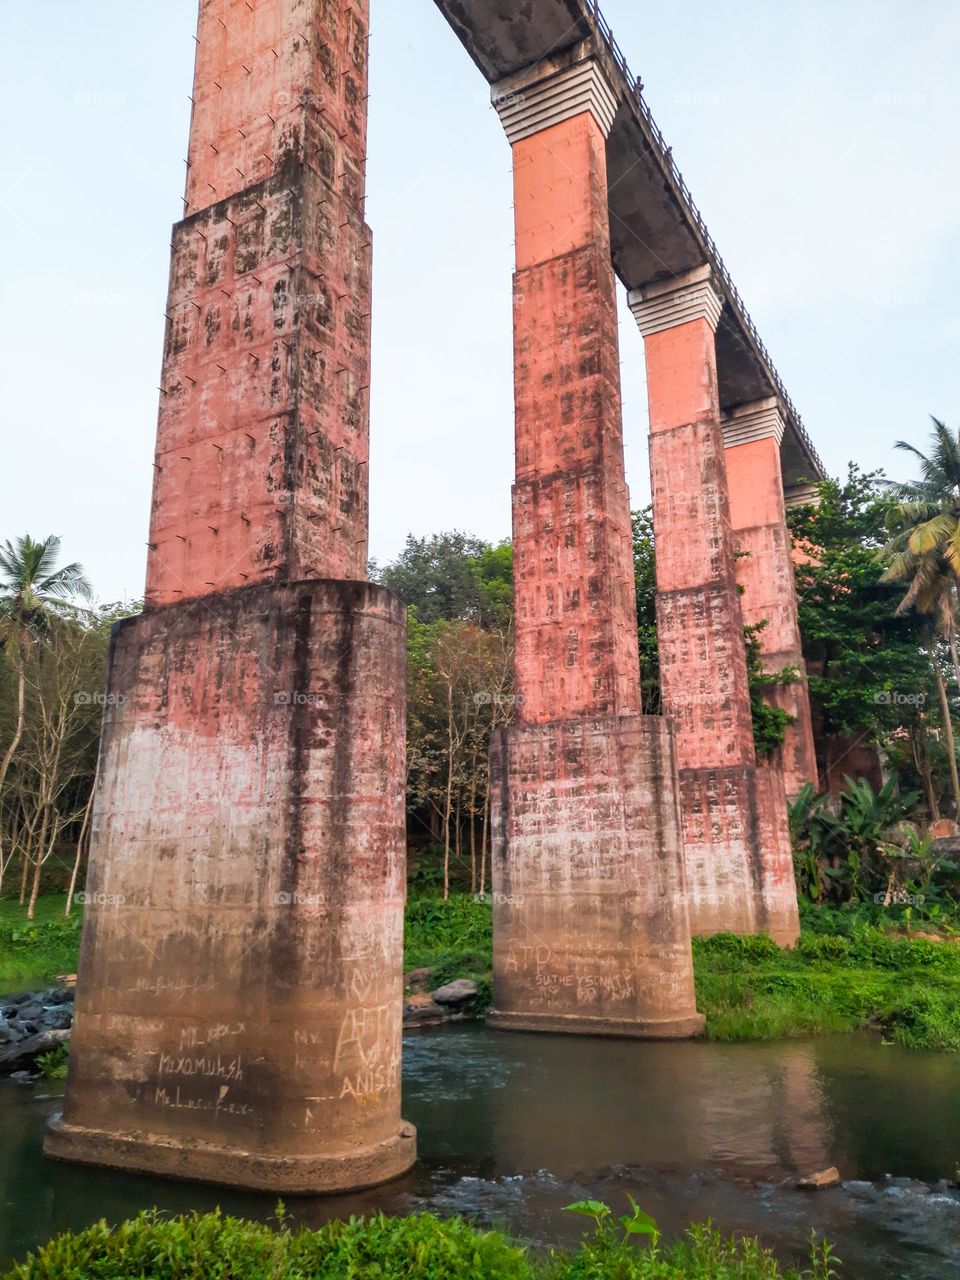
pixel 15 1057
pixel 456 993
pixel 421 1011
pixel 818 1181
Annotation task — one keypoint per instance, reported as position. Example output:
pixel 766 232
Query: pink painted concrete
pixel 765 575
pixel 577 651
pixel 240 983
pixel 262 444
pixel 736 844
pixel 591 933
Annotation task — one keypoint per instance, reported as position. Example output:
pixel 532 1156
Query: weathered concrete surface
pixel 262 443
pixel 590 922
pixel 240 991
pixel 591 929
pixel 765 575
pixel 738 858
pixel 239 1005
pixel 576 638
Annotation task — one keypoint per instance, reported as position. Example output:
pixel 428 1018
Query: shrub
pixel 422 1247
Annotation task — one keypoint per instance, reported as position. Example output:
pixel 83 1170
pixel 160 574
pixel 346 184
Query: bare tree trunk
pixel 39 860
pixel 483 841
pixel 921 759
pixel 948 731
pixel 449 800
pixel 954 657
pixel 83 833
pixel 23 877
pixel 18 732
pixel 472 817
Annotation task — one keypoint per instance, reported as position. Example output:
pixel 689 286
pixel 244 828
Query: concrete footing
pixel 590 915
pixel 233 1167
pixel 739 861
pixel 240 998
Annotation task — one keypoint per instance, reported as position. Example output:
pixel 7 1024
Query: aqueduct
pixel 239 1014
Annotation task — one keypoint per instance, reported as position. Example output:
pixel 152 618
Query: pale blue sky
pixel 820 139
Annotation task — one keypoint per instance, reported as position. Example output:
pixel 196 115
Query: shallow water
pixel 513 1127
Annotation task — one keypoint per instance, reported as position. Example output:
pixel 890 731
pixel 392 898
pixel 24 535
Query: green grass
pixel 749 989
pixel 33 952
pixel 421 1247
pixel 907 988
pixel 454 939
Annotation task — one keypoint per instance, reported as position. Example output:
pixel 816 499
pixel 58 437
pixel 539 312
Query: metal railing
pixel 605 31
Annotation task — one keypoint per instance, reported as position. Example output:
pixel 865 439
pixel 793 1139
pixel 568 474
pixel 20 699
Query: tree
pixel 924 547
pixel 645 578
pixel 33 592
pixel 435 576
pixel 868 673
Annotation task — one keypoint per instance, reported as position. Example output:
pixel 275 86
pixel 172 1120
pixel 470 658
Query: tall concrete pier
pixel 753 434
pixel 738 856
pixel 240 984
pixel 591 932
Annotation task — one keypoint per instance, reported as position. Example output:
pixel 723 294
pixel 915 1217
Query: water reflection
pixel 512 1127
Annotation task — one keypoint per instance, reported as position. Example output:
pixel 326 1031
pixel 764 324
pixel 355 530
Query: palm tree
pixel 924 547
pixel 924 552
pixel 33 592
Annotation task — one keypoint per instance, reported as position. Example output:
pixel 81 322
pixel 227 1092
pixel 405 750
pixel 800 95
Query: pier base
pixel 591 933
pixel 239 999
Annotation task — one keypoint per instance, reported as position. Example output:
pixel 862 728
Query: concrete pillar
pixel 736 840
pixel 752 435
pixel 591 932
pixel 240 983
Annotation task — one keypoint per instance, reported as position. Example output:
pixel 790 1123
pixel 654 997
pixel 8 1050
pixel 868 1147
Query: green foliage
pixel 909 988
pixel 421 1247
pixel 435 930
pixel 645 576
pixel 857 649
pixel 453 577
pixel 868 848
pixel 769 722
pixel 454 939
pixel 39 949
pixel 53 1065
pixel 703 1255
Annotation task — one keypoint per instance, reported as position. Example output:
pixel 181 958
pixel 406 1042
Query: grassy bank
pixel 417 1248
pixel 34 951
pixel 909 989
pixel 750 989
pixel 854 976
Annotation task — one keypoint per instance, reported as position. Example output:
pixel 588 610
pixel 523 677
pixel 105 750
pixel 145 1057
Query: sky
pixel 819 138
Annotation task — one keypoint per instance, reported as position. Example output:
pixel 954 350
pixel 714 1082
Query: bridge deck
pixel 656 229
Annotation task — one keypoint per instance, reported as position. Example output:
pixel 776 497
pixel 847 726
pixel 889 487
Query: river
pixel 513 1127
